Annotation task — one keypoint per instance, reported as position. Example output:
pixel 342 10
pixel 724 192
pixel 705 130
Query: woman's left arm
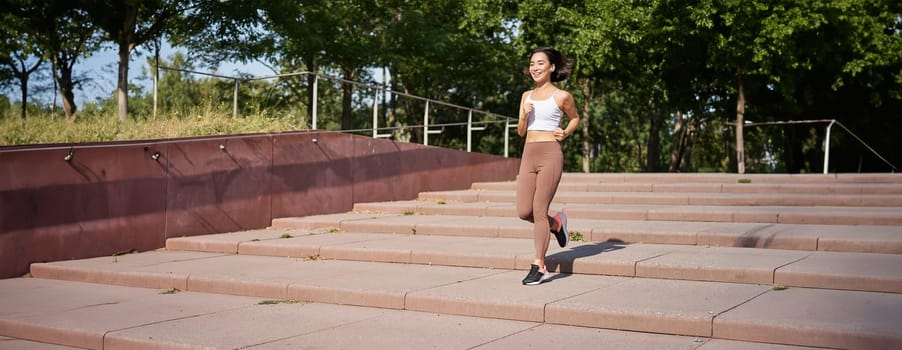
pixel 569 108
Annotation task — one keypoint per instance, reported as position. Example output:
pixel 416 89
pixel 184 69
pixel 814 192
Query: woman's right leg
pixel 526 190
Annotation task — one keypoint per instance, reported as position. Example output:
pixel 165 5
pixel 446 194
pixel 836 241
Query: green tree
pixel 129 24
pixel 301 32
pixel 64 34
pixel 19 56
pixel 439 50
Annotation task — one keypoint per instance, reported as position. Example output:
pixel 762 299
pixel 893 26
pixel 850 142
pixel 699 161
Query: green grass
pixel 576 236
pixel 42 129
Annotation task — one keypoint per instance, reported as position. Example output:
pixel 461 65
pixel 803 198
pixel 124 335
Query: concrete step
pixel 687 261
pixel 885 216
pixel 7 343
pixel 730 311
pixel 679 198
pixel 829 270
pixel 38 313
pixel 865 178
pixel 710 187
pixel 840 238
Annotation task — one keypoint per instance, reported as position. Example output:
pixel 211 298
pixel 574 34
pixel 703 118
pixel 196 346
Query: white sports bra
pixel 545 115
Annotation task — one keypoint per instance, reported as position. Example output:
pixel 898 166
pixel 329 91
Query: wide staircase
pixel 658 261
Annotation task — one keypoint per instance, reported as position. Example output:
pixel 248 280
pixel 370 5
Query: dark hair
pixel 562 64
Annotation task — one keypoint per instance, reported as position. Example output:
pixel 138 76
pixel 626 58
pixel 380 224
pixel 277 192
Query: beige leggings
pixel 537 181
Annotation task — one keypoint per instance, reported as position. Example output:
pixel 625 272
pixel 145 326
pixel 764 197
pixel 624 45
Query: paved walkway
pixel 433 273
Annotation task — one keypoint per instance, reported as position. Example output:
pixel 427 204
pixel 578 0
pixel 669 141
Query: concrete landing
pixel 90 316
pixel 652 305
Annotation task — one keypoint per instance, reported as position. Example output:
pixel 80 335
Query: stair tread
pixel 681 198
pixel 830 215
pixel 851 271
pixel 857 238
pixel 734 178
pixel 421 204
pixel 705 187
pixel 144 318
pixel 613 302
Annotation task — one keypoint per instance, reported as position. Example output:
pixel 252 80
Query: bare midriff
pixel 539 136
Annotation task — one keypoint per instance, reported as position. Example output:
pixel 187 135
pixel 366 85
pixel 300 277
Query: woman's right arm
pixel 523 121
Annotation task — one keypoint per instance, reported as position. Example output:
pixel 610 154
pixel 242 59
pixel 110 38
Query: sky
pixel 101 68
pixel 105 64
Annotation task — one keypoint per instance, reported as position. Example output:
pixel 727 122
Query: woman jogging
pixel 541 111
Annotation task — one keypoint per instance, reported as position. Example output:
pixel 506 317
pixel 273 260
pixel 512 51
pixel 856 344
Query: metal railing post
pixel 315 84
pixel 507 128
pixel 376 114
pixel 827 147
pixel 156 76
pixel 470 131
pixel 426 125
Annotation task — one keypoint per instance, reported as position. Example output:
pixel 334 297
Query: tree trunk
pixel 792 156
pixel 64 78
pixel 653 152
pixel 156 75
pixel 122 82
pixel 676 151
pixel 347 91
pixel 392 102
pixel 587 96
pixel 126 44
pixel 310 66
pixel 688 142
pixel 22 72
pixel 23 83
pixel 56 87
pixel 740 121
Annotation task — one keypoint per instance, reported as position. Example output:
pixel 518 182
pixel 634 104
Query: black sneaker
pixel 534 276
pixel 562 235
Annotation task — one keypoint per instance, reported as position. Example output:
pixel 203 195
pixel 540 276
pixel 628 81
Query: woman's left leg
pixel 549 176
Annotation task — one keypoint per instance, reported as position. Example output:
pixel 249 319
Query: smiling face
pixel 540 67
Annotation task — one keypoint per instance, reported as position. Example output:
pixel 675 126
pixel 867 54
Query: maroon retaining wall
pixel 119 197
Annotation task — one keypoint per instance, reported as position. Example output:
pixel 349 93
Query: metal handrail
pixel 827 137
pixel 379 90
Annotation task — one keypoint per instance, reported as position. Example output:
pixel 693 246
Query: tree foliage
pixel 20 56
pixel 63 32
pixel 661 85
pixel 129 24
